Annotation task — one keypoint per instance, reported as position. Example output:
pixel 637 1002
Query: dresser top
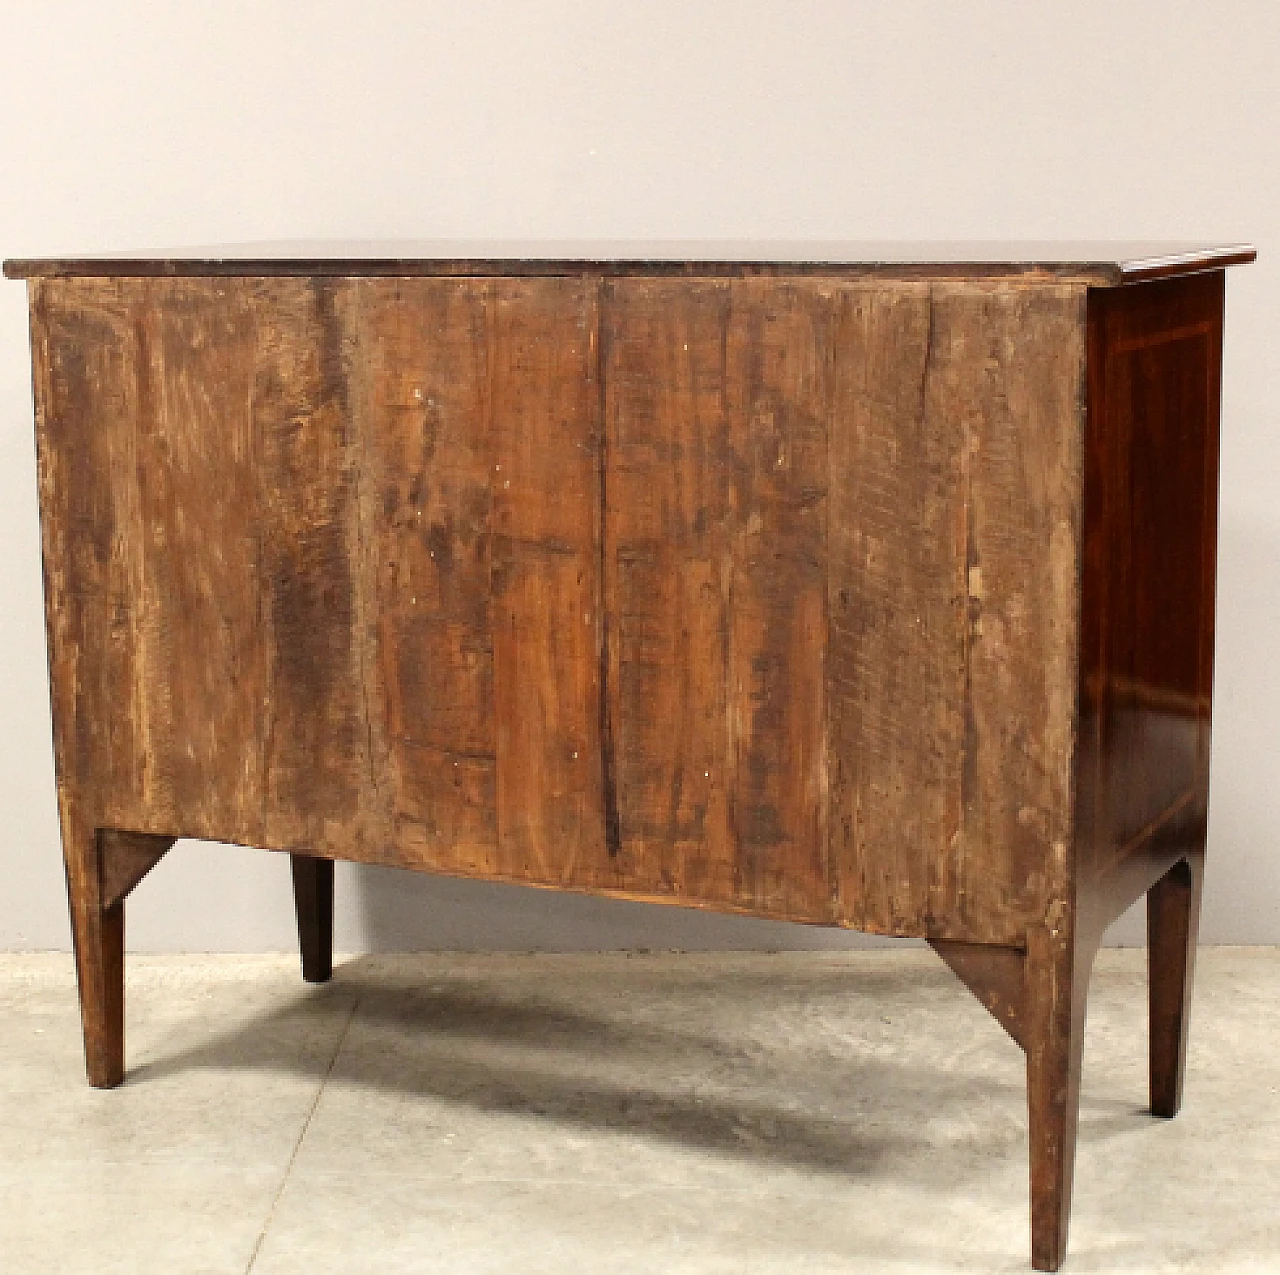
pixel 1098 262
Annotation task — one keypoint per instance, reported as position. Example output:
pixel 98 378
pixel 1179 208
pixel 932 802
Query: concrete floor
pixel 547 1114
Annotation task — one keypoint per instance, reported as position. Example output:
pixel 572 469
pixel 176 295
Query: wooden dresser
pixel 868 586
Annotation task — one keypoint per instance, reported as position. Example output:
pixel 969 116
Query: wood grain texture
pixel 953 625
pixel 596 584
pixel 996 976
pixel 716 402
pixel 546 582
pixel 124 859
pixel 421 393
pixel 897 647
pixel 1151 530
pixel 821 598
pixel 1017 378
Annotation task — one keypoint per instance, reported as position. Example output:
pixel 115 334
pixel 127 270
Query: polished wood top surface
pixel 1099 262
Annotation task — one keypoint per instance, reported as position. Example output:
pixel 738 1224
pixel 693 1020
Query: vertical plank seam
pixel 959 911
pixel 608 754
pixel 357 423
pixel 150 755
pixel 826 833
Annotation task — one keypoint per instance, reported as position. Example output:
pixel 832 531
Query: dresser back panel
pixel 759 594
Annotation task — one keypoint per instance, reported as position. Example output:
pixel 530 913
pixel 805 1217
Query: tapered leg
pixel 98 935
pixel 1173 918
pixel 313 900
pixel 1057 982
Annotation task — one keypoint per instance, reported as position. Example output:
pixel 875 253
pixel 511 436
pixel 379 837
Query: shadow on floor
pixel 825 1066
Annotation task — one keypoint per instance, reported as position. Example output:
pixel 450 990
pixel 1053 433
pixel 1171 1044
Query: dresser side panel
pixel 1151 532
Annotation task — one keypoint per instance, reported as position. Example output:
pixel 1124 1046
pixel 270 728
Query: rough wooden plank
pixel 953 625
pixel 715 399
pixel 546 568
pixel 423 403
pixel 313 641
pixel 897 649
pixel 777 397
pixel 1011 367
pixel 667 584
pixel 204 685
pixel 85 364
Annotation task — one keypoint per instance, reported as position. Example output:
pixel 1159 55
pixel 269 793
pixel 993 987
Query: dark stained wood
pixel 1151 515
pixel 124 858
pixel 996 976
pixel 98 937
pixel 1105 262
pixel 873 597
pixel 1060 958
pixel 1148 630
pixel 313 903
pixel 1173 916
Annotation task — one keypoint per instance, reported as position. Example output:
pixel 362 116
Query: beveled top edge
pixel 1098 262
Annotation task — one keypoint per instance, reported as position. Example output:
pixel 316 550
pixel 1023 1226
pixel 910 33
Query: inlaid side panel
pixel 716 398
pixel 1151 518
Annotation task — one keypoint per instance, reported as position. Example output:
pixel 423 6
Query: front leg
pixel 1057 980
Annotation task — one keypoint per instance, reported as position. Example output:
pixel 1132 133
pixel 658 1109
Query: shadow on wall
pixel 401 911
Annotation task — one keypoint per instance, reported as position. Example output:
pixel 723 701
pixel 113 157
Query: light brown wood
pixel 485 592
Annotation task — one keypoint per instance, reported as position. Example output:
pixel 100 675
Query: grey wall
pixel 134 124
